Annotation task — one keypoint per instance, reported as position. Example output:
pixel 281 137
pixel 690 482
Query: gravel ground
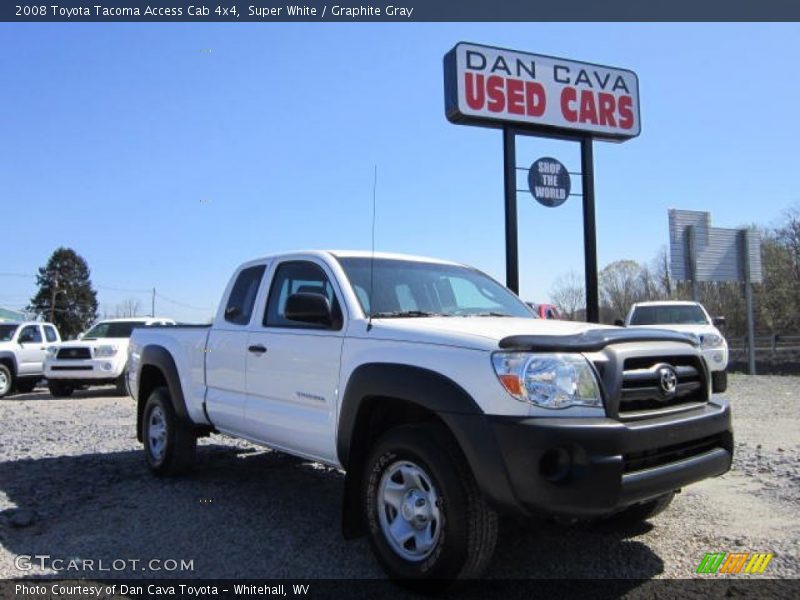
pixel 73 484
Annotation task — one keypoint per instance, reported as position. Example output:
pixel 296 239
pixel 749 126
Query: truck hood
pixel 697 330
pixel 94 343
pixel 474 332
pixel 517 334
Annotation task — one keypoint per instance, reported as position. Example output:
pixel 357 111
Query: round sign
pixel 549 182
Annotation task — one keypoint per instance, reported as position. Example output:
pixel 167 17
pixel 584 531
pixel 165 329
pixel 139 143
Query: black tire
pixel 6 381
pixel 59 389
pixel 177 453
pixel 122 388
pixel 642 512
pixel 719 381
pixel 25 386
pixel 468 531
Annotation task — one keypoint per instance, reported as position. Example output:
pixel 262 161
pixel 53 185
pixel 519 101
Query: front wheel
pixel 59 389
pixel 719 381
pixel 428 522
pixel 169 443
pixel 119 384
pixel 644 511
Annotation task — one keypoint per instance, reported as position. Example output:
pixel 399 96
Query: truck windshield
pixel 670 314
pixel 113 329
pixel 7 332
pixel 404 288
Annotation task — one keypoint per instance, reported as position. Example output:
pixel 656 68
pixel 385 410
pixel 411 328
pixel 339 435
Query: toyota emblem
pixel 668 380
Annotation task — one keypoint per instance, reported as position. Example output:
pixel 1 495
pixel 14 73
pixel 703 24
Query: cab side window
pixel 243 295
pixel 298 277
pixel 30 335
pixel 50 333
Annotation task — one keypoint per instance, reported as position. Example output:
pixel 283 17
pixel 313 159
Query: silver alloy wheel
pixel 157 433
pixel 5 383
pixel 408 511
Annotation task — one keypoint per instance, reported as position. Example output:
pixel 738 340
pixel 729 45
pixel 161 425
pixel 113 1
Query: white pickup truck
pixel 440 395
pixel 691 318
pixel 99 357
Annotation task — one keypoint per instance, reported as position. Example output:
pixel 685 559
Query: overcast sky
pixel 166 154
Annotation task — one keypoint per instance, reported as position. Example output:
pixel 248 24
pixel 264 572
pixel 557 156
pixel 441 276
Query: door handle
pixel 257 349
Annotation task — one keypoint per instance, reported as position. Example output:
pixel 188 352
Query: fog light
pixel 555 464
pixel 106 366
pixel 718 357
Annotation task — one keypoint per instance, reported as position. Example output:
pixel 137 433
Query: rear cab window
pixel 242 298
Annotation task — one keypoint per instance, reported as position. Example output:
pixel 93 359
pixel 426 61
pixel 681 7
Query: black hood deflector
pixel 592 340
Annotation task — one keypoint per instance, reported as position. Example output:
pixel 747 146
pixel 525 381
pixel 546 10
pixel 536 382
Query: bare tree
pixel 662 274
pixel 568 294
pixel 128 308
pixel 621 286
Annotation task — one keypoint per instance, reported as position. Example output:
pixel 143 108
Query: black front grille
pixel 74 353
pixel 637 461
pixel 647 383
pixel 86 368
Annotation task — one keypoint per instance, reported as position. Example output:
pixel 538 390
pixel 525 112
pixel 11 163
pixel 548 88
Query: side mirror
pixel 619 322
pixel 718 321
pixel 307 307
pixel 232 312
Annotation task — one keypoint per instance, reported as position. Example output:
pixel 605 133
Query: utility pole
pixel 53 291
pixel 153 304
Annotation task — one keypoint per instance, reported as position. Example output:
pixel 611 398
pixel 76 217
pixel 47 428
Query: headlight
pixel 711 340
pixel 548 380
pixel 52 350
pixel 105 351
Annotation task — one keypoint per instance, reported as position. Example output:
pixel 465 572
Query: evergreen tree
pixel 65 295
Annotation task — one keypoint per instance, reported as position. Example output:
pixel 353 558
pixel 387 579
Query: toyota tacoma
pixel 439 394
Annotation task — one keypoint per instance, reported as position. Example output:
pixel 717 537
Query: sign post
pixel 537 95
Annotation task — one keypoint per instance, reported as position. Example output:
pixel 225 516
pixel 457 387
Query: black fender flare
pixel 424 387
pixel 438 394
pixel 10 357
pixel 160 357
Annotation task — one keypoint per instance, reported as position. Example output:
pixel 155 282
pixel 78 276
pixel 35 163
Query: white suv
pixel 97 358
pixel 23 347
pixel 692 318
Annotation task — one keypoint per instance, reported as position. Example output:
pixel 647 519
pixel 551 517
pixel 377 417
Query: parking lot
pixel 74 485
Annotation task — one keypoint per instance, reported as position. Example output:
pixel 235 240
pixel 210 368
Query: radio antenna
pixel 372 255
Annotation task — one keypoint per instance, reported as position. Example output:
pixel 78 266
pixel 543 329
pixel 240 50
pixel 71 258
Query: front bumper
pixel 90 369
pixel 590 466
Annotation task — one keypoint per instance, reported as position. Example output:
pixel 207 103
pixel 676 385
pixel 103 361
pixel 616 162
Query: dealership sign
pixel 495 87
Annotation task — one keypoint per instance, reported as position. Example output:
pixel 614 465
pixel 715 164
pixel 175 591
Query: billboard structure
pixel 529 94
pixel 700 252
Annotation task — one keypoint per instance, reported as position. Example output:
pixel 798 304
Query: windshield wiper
pixel 489 314
pixel 403 314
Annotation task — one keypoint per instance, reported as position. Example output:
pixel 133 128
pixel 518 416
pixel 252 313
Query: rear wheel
pixel 59 389
pixel 6 381
pixel 25 386
pixel 719 381
pixel 428 522
pixel 169 443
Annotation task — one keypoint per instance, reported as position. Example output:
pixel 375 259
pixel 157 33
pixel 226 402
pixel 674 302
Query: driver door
pixel 32 352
